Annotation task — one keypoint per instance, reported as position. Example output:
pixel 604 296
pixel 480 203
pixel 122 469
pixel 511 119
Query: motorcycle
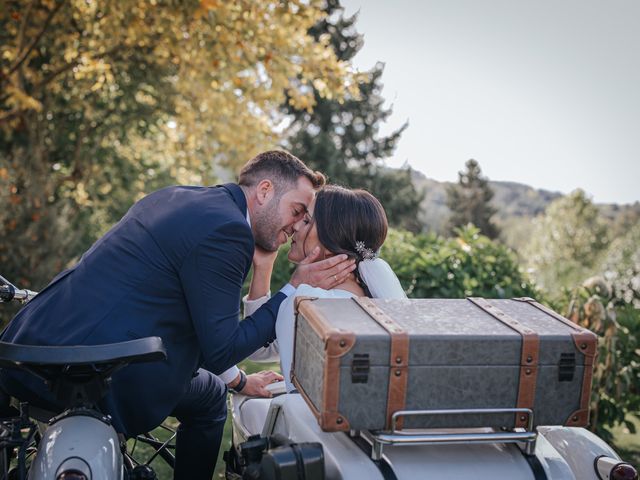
pixel 78 443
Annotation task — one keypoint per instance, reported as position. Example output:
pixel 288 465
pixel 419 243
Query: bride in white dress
pixel 339 221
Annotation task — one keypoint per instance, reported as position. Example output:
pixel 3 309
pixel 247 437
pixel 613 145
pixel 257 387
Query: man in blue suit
pixel 173 267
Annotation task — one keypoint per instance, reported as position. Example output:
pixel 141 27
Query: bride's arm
pixel 258 294
pixel 262 270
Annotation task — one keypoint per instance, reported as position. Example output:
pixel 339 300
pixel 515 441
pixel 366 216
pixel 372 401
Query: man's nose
pixel 297 225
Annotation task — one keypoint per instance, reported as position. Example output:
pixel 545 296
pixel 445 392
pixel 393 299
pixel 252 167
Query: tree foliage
pixel 340 137
pixel 103 101
pixel 469 201
pixel 621 267
pixel 567 243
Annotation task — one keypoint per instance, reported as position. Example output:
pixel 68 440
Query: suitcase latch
pixel 360 368
pixel 566 367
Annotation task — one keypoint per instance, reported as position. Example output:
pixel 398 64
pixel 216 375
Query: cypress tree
pixel 469 201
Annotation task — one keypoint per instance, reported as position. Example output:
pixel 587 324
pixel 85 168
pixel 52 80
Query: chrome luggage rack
pixel 379 439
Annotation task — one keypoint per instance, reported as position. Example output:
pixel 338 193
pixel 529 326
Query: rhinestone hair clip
pixel 364 252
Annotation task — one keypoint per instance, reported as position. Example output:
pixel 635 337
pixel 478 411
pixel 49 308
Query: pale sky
pixel 543 92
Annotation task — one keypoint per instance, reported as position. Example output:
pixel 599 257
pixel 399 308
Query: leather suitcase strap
pixel 337 344
pixel 586 342
pixel 399 358
pixel 528 359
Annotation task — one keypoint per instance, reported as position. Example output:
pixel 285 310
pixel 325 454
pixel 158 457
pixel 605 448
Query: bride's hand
pixel 325 274
pixel 263 259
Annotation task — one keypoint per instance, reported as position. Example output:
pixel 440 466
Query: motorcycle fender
pixel 78 443
pixel 579 448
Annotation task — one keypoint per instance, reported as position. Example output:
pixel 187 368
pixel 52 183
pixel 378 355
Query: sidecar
pixel 554 453
pixel 439 388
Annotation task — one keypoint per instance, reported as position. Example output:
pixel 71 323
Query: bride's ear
pixel 326 253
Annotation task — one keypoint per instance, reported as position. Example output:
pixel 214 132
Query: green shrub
pixel 430 266
pixel 616 381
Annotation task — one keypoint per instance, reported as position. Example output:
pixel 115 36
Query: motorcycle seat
pixel 133 351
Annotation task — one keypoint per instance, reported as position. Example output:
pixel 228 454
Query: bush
pixel 616 381
pixel 430 266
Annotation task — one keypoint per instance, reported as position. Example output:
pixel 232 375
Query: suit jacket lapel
pixel 238 196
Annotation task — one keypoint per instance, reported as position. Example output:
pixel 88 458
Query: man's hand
pixel 257 382
pixel 325 274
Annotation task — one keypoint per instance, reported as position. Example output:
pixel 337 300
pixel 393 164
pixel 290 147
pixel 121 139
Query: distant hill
pixel 516 204
pixel 510 199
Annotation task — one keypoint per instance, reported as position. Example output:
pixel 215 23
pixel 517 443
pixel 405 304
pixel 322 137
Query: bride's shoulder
pixel 309 291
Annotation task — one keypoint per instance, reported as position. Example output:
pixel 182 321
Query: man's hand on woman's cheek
pixel 324 274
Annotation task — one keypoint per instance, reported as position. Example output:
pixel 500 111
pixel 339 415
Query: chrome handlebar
pixel 8 292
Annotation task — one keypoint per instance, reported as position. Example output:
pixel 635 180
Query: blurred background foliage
pixel 616 396
pixel 103 102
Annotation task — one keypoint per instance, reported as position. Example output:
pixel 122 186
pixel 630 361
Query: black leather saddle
pixel 80 375
pixel 133 351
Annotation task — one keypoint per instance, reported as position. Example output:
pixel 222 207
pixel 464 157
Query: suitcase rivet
pixel 398 373
pixel 575 418
pixel 529 359
pixel 398 359
pixel 528 371
pixel 342 343
pixel 583 346
pixel 523 418
pixel 339 420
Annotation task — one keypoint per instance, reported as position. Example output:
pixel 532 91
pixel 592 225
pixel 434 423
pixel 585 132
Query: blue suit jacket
pixel 172 267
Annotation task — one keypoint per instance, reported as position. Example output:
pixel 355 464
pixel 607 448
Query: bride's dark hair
pixel 344 217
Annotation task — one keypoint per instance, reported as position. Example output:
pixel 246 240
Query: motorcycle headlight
pixel 73 469
pixel 72 475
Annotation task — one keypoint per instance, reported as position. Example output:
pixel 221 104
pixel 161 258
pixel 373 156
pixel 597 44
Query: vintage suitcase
pixel 359 360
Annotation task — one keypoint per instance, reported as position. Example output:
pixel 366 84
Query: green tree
pixel 621 267
pixel 469 201
pixel 567 243
pixel 340 137
pixel 101 102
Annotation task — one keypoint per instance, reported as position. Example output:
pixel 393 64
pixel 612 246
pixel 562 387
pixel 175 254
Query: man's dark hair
pixel 282 168
pixel 344 217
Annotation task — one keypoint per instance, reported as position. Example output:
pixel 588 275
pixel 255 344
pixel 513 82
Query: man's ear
pixel 264 191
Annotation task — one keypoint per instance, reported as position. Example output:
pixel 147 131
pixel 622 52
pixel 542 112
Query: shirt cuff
pixel 250 306
pixel 229 376
pixel 288 289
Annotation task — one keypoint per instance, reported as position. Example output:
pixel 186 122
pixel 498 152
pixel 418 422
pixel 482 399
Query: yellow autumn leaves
pixel 222 69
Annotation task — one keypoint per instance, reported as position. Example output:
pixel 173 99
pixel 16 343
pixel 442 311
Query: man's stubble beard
pixel 267 226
